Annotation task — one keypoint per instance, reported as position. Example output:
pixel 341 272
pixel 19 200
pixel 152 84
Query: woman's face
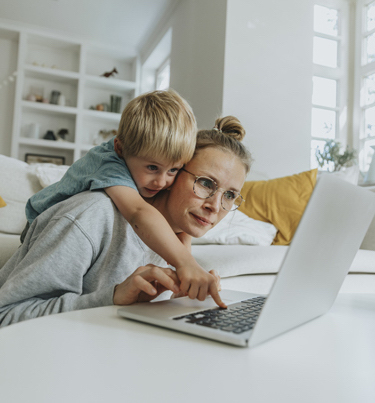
pixel 185 210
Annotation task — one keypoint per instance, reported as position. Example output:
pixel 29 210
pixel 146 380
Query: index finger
pixel 216 296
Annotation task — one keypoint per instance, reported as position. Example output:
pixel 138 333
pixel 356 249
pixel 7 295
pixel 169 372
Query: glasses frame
pixel 215 191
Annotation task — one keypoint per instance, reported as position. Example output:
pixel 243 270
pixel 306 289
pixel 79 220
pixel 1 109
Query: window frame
pixel 340 74
pixel 362 70
pixel 164 64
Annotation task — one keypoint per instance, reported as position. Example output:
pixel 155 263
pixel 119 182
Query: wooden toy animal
pixel 110 73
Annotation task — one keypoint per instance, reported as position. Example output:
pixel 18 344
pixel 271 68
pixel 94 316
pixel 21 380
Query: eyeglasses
pixel 205 187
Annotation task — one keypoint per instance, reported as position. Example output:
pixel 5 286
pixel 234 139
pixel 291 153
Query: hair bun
pixel 230 126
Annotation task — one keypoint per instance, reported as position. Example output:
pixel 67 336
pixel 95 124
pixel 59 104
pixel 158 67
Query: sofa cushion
pixel 2 202
pixel 18 182
pixel 236 260
pixel 279 201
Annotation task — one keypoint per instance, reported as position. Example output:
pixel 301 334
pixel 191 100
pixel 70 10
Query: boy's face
pixel 152 175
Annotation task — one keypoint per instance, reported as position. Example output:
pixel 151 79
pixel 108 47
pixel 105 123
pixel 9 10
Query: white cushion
pixel 50 173
pixel 236 228
pixel 350 174
pixel 18 182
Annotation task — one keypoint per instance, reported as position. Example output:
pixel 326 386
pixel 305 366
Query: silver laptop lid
pixel 328 236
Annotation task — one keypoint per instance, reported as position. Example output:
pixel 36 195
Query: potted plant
pixel 331 157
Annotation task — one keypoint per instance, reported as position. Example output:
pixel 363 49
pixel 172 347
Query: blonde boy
pixel 156 137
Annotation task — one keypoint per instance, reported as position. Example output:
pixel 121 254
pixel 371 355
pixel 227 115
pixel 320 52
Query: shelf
pixel 110 83
pixel 52 66
pixel 51 74
pixel 50 108
pixel 50 51
pixel 101 115
pixel 63 145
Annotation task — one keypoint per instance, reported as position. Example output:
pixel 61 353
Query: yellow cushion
pixel 280 201
pixel 2 202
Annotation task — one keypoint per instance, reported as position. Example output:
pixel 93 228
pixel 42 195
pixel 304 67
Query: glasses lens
pixel 231 200
pixel 204 187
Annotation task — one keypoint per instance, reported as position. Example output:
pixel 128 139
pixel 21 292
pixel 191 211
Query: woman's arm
pixel 45 275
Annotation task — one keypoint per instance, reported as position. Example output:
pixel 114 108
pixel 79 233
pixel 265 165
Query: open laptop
pixel 329 234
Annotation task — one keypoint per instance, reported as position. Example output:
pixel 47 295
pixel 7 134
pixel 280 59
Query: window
pixel 163 76
pixel 366 140
pixel 329 79
pixel 343 103
pixel 155 70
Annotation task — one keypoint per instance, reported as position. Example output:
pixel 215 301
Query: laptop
pixel 325 243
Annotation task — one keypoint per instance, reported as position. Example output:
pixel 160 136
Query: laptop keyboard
pixel 237 319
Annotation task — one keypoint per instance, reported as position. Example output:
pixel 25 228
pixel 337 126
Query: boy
pixel 156 137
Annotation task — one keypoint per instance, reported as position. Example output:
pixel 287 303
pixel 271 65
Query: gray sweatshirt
pixel 72 257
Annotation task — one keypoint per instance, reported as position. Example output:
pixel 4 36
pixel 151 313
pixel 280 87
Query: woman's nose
pixel 214 202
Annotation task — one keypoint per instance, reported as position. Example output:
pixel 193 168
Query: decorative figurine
pixel 110 73
pixel 50 135
pixel 61 134
pixel 104 135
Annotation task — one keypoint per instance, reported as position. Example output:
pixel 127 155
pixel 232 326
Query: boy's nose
pixel 160 181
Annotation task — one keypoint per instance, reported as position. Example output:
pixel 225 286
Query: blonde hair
pixel 160 124
pixel 227 135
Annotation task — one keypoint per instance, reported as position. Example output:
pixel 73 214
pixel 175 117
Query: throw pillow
pixel 18 183
pixel 279 201
pixel 237 228
pixel 2 202
pixel 50 173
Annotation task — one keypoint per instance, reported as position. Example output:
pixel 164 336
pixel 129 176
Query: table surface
pixel 96 356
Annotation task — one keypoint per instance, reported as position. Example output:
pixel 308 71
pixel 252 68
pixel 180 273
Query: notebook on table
pixel 326 241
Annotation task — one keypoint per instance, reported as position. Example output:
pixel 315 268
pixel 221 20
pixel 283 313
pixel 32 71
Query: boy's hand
pixel 217 281
pixel 185 240
pixel 197 283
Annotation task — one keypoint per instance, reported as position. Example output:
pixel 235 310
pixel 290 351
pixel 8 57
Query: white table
pixel 95 356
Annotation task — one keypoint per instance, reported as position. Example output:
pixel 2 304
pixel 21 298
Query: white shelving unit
pixel 49 63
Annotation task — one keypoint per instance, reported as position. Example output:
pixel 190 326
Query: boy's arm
pixel 185 239
pixel 151 226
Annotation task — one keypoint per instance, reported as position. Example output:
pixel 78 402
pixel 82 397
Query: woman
pixel 81 250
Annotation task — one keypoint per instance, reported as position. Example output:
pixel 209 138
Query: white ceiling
pixel 119 22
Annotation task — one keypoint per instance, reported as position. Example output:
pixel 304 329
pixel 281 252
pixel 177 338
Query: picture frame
pixel 44 159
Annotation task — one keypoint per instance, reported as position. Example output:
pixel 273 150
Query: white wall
pixel 268 80
pixel 197 56
pixel 118 22
pixel 251 59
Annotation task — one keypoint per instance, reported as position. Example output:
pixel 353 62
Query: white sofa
pixel 241 252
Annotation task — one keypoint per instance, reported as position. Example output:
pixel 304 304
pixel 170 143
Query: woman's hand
pixel 217 282
pixel 145 284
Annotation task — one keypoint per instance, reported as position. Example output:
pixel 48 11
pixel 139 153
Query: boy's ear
pixel 118 147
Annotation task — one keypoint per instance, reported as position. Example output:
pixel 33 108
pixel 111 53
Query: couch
pixel 246 248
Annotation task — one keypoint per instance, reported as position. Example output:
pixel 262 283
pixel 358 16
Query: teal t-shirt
pixel 100 168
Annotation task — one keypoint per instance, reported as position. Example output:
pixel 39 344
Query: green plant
pixel 331 156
